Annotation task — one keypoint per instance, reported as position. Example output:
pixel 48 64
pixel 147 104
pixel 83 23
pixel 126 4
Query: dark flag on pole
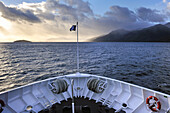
pixel 73 28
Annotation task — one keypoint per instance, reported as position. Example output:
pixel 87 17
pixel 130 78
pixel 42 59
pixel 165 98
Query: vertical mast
pixel 77 50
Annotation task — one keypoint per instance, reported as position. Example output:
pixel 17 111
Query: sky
pixel 50 20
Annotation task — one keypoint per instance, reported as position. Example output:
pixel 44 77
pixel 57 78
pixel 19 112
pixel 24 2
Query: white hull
pixel 38 96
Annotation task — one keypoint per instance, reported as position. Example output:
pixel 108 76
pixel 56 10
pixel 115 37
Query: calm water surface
pixel 144 64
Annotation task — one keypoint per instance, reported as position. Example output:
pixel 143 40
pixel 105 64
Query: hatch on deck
pixel 81 106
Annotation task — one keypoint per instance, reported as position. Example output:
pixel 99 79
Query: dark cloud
pixel 118 13
pixel 73 10
pixel 150 15
pixel 81 5
pixel 15 14
pixel 46 16
pixel 117 18
pixel 168 14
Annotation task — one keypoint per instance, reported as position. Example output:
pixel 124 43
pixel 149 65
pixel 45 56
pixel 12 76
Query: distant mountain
pixel 157 33
pixel 116 35
pixel 167 25
pixel 22 41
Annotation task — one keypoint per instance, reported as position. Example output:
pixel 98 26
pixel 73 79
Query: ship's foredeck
pixel 93 94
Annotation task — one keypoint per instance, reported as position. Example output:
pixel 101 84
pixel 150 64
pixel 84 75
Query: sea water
pixel 144 64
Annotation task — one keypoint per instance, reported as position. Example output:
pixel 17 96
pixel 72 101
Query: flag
pixel 73 28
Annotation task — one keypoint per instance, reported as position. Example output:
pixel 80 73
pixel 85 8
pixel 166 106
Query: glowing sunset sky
pixel 50 20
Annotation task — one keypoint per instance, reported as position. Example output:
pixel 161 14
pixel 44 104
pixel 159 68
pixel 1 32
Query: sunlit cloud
pixel 164 1
pixel 167 3
pixel 168 6
pixel 4 23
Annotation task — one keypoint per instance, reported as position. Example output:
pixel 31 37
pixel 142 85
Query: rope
pixel 95 85
pixel 58 86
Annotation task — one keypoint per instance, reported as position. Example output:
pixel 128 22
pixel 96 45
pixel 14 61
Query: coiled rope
pixel 97 86
pixel 58 86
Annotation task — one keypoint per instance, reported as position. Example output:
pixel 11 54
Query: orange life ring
pixel 155 105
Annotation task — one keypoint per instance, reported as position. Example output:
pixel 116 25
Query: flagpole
pixel 77 50
pixel 72 83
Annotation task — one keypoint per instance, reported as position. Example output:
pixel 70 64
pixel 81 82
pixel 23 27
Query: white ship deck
pixel 114 94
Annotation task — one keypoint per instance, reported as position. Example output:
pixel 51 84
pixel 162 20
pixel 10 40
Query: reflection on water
pixel 144 64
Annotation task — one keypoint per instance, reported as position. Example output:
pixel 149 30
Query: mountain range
pixel 156 33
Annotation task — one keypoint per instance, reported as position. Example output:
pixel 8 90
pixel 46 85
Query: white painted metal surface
pixel 37 96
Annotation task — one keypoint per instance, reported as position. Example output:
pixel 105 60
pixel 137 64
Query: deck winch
pixel 58 86
pixel 96 85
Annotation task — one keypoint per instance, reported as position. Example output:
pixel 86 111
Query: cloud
pixel 150 15
pixel 168 5
pixel 164 1
pixel 15 14
pixel 3 31
pixel 118 17
pixel 81 5
pixel 121 14
pixel 72 10
pixel 51 20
